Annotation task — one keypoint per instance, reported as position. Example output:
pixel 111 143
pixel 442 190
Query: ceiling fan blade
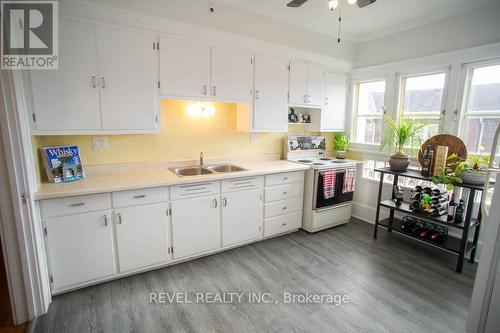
pixel 296 3
pixel 364 3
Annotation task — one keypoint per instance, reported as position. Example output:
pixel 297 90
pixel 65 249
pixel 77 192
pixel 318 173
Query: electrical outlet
pixel 254 139
pixel 100 143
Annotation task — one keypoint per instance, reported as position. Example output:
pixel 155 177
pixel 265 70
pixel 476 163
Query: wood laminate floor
pixel 394 285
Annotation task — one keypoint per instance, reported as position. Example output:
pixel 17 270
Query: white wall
pixel 476 27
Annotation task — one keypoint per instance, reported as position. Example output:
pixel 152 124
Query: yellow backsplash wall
pixel 181 137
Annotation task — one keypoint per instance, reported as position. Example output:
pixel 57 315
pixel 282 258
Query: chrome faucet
pixel 201 159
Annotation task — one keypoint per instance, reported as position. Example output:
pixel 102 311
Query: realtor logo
pixel 29 34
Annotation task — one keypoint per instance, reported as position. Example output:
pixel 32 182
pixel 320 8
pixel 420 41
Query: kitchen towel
pixel 349 181
pixel 329 180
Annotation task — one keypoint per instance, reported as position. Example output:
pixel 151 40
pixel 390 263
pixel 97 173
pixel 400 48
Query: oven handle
pixel 331 207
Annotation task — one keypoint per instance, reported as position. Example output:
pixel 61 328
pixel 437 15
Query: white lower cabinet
pixel 242 216
pixel 195 225
pixel 80 248
pixel 142 236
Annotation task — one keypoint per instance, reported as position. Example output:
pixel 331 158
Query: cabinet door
pixel 298 83
pixel 236 226
pixel 334 108
pixel 270 97
pixel 315 85
pixel 195 226
pixel 67 99
pixel 184 68
pixel 80 248
pixel 231 74
pixel 127 78
pixel 141 236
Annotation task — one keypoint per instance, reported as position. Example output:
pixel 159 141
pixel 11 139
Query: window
pixel 422 98
pixel 369 98
pixel 482 108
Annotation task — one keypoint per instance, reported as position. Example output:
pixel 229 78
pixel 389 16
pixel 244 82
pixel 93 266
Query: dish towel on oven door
pixel 349 181
pixel 329 180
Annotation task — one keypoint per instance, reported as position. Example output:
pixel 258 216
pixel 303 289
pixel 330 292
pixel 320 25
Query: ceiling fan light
pixel 351 2
pixel 333 4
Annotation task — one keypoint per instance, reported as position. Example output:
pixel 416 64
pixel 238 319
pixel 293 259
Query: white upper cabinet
pixel 231 74
pixel 298 83
pixel 315 85
pixel 334 108
pixel 306 84
pixel 191 69
pixel 127 78
pixel 67 99
pixel 184 68
pixel 106 82
pixel 269 110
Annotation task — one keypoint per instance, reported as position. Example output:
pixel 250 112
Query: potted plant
pixel 341 145
pixel 402 133
pixel 447 176
pixel 473 171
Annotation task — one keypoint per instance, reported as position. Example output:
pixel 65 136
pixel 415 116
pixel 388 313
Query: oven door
pixel 319 201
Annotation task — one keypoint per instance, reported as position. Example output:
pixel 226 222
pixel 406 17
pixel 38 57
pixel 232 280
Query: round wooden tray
pixel 454 144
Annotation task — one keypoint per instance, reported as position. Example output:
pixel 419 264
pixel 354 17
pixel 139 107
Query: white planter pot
pixel 473 177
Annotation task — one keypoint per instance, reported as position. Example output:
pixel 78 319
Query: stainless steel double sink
pixel 206 169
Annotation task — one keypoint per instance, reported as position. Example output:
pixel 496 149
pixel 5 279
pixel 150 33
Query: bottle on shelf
pixel 452 208
pixel 459 213
pixel 427 161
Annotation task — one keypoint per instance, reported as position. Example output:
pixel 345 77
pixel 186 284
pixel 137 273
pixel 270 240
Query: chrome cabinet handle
pixel 285 208
pixel 77 204
pixel 205 89
pixel 103 82
pixel 305 99
pixel 285 193
pixel 224 202
pixel 285 178
pixel 105 217
pixel 139 196
pixel 309 100
pixel 119 216
pixel 215 203
pixel 284 224
pixel 326 100
pixel 93 82
pixel 256 94
pixel 215 91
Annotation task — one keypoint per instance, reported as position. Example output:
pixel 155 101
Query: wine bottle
pixel 451 208
pixel 427 162
pixel 459 213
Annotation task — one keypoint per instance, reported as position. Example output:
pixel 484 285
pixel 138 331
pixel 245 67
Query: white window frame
pixel 402 77
pixel 464 89
pixel 353 97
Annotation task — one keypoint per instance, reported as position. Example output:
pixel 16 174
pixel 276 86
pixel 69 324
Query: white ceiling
pixel 378 19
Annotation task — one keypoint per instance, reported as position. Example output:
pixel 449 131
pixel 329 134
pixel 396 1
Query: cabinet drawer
pixel 284 178
pixel 139 197
pixel 76 204
pixel 283 223
pixel 282 207
pixel 282 192
pixel 242 183
pixel 192 190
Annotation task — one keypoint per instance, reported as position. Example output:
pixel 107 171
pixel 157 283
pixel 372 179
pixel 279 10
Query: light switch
pixel 100 143
pixel 254 139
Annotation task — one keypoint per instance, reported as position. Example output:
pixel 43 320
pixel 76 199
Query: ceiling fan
pixel 333 4
pixel 361 3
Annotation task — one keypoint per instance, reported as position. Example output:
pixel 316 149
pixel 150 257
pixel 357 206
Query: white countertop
pixel 143 178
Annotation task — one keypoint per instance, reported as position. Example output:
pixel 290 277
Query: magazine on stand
pixel 63 164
